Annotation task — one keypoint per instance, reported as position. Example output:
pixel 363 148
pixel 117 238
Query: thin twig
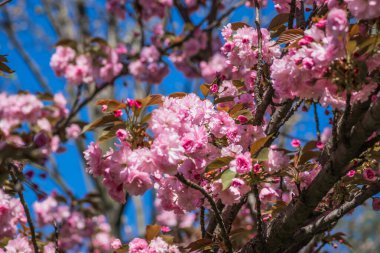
pixel 260 62
pixel 202 222
pixel 8 27
pixel 316 118
pixel 19 190
pixel 4 2
pixel 213 206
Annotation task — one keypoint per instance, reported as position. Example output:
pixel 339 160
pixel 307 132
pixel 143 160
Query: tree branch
pixel 217 214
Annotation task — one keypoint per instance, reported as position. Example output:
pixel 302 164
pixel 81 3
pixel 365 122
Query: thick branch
pixel 282 228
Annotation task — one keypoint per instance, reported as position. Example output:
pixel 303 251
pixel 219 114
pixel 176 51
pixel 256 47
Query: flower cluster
pixel 138 245
pixel 182 59
pixel 241 48
pixel 21 110
pixel 75 227
pixel 155 8
pixel 11 214
pixel 86 68
pixel 116 7
pixel 186 132
pixel 313 69
pixel 148 68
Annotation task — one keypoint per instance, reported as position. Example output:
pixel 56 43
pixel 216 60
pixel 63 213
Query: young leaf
pixel 219 162
pixel 205 89
pixel 306 156
pixel 237 25
pixel 259 144
pixel 227 177
pixel 100 122
pixel 199 244
pixel 178 95
pixel 290 36
pixel 310 146
pixel 152 232
pixel 112 104
pixel 277 21
pixel 154 99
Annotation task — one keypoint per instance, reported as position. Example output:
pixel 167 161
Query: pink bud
pixel 376 204
pixel 296 143
pixel 165 229
pixel 29 174
pixel 257 168
pixel 320 145
pixel 118 113
pixel 104 108
pixel 351 173
pixel 321 24
pixel 214 88
pixel 306 40
pixel 242 119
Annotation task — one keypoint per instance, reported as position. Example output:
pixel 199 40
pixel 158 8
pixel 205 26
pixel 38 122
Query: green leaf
pixel 227 177
pixel 259 144
pixel 263 155
pixel 219 162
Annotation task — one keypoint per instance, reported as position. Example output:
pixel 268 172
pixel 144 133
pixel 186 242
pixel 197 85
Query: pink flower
pixel 137 182
pixel 73 131
pixel 104 108
pixel 138 245
pixel 61 59
pixel 277 159
pixel 296 143
pixel 337 23
pixel 93 156
pixel 242 163
pixel 351 173
pixel 364 9
pixel 116 244
pixel 118 113
pixel 369 174
pixel 376 204
pixel 268 194
pixel 235 192
pixel 19 244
